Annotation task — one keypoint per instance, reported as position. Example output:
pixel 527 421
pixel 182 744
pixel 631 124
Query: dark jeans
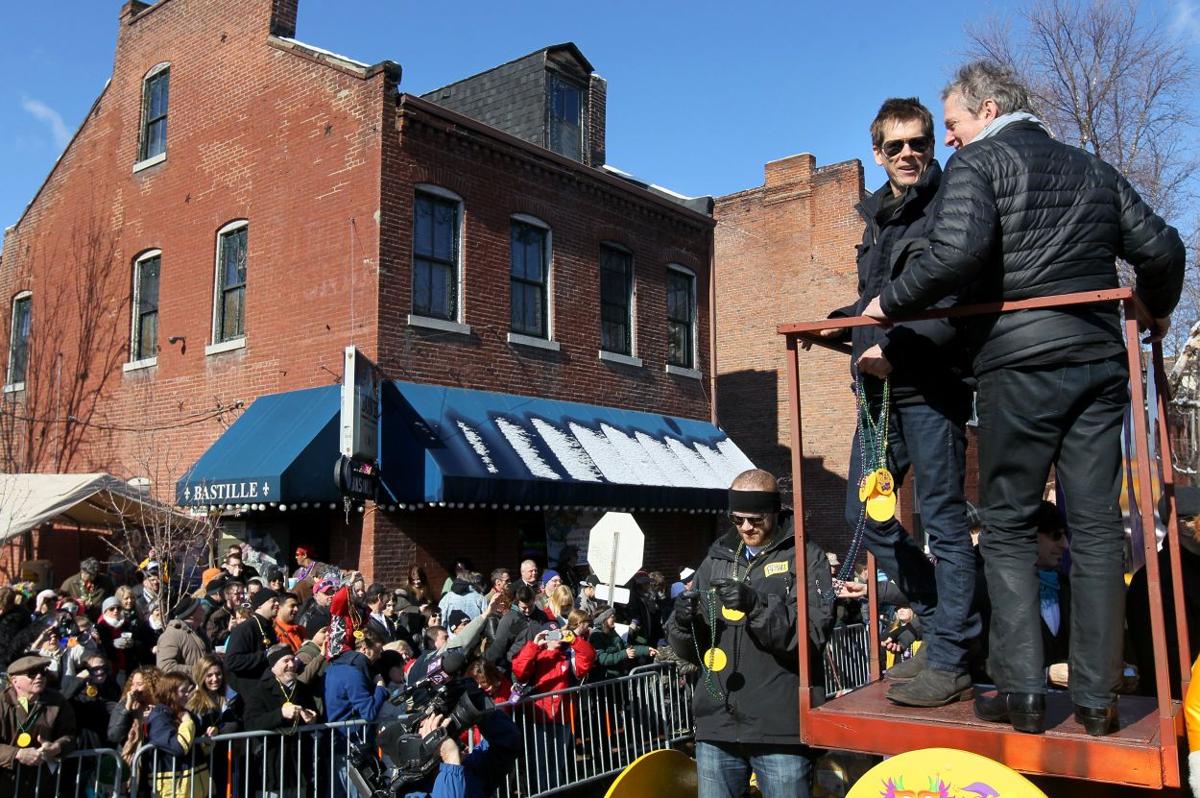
pixel 1030 419
pixel 930 441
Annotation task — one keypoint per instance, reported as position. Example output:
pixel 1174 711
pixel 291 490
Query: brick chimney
pixel 283 18
pixel 597 120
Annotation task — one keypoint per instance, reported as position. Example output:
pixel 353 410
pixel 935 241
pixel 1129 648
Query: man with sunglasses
pixel 1021 216
pixel 927 408
pixel 37 727
pixel 739 626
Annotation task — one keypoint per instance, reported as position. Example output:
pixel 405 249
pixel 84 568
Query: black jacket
pixel 246 653
pixel 926 360
pixel 759 686
pixel 1020 215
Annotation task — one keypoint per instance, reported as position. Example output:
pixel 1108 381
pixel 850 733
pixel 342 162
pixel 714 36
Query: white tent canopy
pixel 89 500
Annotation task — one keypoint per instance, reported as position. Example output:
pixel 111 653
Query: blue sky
pixel 701 93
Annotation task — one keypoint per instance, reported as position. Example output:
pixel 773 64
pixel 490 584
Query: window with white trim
pixel 18 342
pixel 616 300
pixel 155 91
pixel 529 276
pixel 229 322
pixel 681 317
pixel 437 216
pixel 143 342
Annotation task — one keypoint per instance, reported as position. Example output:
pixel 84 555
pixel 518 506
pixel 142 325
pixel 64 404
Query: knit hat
pixel 262 597
pixel 276 653
pixel 548 575
pixel 209 576
pixel 602 616
pixel 456 617
pixel 186 606
pixel 109 603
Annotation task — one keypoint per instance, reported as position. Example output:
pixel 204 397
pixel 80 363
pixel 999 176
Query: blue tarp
pixel 283 448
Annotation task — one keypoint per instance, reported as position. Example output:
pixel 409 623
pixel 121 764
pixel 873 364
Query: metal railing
pixel 847 659
pixel 92 773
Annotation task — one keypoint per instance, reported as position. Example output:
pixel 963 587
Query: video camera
pixel 407 756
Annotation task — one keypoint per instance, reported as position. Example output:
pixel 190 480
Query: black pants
pixel 1068 416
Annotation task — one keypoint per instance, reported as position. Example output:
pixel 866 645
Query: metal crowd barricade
pixel 847 659
pixel 81 774
pixel 585 733
pixel 310 760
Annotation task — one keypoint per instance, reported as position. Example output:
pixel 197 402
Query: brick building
pixel 239 206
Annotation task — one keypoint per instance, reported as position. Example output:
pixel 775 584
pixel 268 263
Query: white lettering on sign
pixel 227 491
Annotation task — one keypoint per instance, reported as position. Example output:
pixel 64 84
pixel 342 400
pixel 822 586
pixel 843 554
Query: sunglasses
pixel 919 145
pixel 33 674
pixel 755 521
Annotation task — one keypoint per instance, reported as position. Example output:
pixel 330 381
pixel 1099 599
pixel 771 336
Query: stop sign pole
pixel 615 547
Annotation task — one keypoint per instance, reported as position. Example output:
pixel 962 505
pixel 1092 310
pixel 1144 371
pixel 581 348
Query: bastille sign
pixel 216 491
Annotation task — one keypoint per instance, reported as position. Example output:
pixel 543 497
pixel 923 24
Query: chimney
pixel 132 9
pixel 283 18
pixel 597 120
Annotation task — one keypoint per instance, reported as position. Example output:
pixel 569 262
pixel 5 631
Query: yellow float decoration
pixel 942 773
pixel 662 773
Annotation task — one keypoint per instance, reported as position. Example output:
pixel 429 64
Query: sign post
pixel 356 471
pixel 615 549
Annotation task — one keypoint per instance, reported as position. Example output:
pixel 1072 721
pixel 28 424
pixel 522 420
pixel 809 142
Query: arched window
pixel 155 94
pixel 229 301
pixel 143 341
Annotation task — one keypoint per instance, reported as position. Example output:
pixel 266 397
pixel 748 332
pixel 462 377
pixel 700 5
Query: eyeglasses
pixel 31 675
pixel 755 521
pixel 919 145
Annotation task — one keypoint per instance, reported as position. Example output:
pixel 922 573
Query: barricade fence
pixel 569 737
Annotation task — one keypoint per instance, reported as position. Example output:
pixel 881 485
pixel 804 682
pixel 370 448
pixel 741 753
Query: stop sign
pixel 615 548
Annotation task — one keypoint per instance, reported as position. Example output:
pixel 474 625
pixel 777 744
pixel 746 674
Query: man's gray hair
pixel 986 80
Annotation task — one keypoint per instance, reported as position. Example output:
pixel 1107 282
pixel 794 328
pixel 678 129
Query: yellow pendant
pixel 730 614
pixel 882 507
pixel 885 483
pixel 23 739
pixel 866 486
pixel 358 634
pixel 715 660
pixel 286 704
pixel 91 691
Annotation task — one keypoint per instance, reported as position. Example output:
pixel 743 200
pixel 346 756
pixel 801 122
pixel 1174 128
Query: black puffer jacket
pixel 759 685
pixel 1020 215
pixel 926 363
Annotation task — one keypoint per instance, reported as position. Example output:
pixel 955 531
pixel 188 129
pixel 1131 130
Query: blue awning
pixel 462 447
pixel 283 448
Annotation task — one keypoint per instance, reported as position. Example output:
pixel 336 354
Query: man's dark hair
pixel 368 639
pixel 378 591
pixel 900 109
pixel 524 594
pixel 228 586
pixel 499 574
pixel 1048 520
pixel 431 633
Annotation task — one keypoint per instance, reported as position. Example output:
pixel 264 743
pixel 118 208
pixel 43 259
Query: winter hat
pixel 456 617
pixel 677 590
pixel 589 581
pixel 603 616
pixel 109 603
pixel 45 594
pixel 548 575
pixel 262 597
pixel 276 653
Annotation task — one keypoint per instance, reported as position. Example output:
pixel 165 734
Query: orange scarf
pixel 290 634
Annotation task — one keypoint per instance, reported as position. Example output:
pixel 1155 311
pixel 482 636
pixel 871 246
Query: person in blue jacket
pixel 474 775
pixel 353 692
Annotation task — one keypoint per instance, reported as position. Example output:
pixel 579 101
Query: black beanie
pixel 262 597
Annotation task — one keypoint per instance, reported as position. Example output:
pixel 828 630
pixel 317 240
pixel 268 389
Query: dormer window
pixel 564 116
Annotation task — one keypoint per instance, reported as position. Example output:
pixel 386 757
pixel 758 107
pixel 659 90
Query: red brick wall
pixel 785 253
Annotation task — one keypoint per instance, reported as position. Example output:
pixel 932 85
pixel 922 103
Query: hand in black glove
pixel 735 595
pixel 687 608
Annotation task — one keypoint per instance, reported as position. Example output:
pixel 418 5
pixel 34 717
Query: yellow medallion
pixel 91 691
pixel 885 483
pixel 882 507
pixel 866 486
pixel 23 739
pixel 731 614
pixel 715 660
pixel 287 704
pixel 358 634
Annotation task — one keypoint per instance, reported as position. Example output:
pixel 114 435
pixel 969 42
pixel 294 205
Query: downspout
pixel 712 321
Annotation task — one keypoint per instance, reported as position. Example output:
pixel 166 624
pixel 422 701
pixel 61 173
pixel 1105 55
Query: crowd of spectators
pixel 248 651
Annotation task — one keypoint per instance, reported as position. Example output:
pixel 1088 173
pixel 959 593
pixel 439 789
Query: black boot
pixel 1097 722
pixel 1025 711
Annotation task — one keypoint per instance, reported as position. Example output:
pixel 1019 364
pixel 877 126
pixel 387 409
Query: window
pixel 229 316
pixel 144 343
pixel 681 317
pixel 616 300
pixel 18 342
pixel 154 113
pixel 435 255
pixel 529 272
pixel 564 117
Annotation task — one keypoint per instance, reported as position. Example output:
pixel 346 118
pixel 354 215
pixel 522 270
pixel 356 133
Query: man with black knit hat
pixel 739 626
pixel 246 651
pixel 278 701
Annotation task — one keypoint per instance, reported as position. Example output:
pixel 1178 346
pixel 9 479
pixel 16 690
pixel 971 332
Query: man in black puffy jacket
pixel 1020 215
pixel 739 625
pixel 927 410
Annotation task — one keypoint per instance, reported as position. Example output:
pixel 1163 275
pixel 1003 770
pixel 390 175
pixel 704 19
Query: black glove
pixel 736 595
pixel 686 609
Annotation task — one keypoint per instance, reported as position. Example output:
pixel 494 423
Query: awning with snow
pixel 458 446
pixel 282 449
pixel 89 500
